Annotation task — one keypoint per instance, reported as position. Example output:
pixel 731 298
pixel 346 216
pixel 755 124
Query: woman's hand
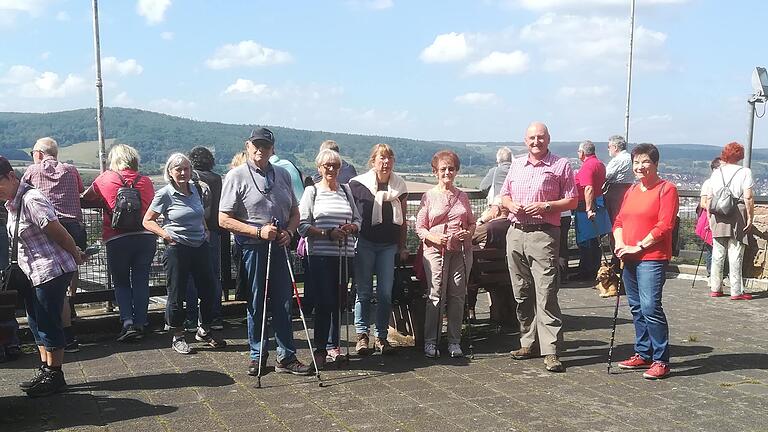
pixel 336 234
pixel 438 240
pixel 349 228
pixel 167 238
pixel 623 250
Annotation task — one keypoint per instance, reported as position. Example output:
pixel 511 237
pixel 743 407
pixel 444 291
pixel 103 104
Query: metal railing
pixel 95 283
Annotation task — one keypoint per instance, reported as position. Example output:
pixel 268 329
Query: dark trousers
pixel 323 282
pixel 44 303
pixel 589 258
pixel 180 263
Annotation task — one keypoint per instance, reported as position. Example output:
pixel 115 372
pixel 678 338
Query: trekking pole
pixel 619 287
pixel 439 328
pixel 346 294
pixel 698 264
pixel 466 308
pixel 264 313
pixel 301 311
pixel 339 289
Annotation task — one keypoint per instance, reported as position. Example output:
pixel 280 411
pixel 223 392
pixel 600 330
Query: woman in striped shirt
pixel 328 217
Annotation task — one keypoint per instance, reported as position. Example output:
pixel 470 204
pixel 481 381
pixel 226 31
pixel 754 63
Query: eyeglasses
pixel 449 169
pixel 32 153
pixel 331 166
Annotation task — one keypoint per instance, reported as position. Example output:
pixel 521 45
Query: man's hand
pixel 283 237
pixel 591 214
pixel 535 208
pixel 269 232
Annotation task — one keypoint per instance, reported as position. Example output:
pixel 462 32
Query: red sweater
pixel 651 211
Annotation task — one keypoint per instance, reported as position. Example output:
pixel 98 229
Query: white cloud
pixel 62 16
pixel 449 47
pixel 251 89
pixel 372 4
pixel 514 62
pixel 569 40
pixel 153 10
pixel 589 5
pixel 246 53
pixel 25 82
pixel 583 92
pixel 171 106
pixel 122 99
pixel 127 67
pixel 473 98
pixel 10 9
pixel 166 35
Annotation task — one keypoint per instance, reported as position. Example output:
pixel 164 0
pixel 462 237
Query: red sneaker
pixel 716 294
pixel 659 370
pixel 742 296
pixel 635 362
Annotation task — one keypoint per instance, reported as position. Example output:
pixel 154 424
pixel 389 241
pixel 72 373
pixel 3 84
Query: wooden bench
pixel 490 273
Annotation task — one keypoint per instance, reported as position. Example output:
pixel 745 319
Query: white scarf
pixel 395 188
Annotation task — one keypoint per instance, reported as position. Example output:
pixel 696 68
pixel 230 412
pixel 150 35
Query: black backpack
pixel 127 214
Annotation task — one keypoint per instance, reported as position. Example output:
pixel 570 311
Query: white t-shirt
pixel 706 189
pixel 742 179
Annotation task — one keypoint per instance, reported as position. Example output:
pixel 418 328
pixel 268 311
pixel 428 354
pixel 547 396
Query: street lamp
pixel 760 95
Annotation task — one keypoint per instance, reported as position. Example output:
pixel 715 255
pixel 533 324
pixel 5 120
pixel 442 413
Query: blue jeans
pixel 129 260
pixel 44 303
pixel 181 262
pixel 373 258
pixel 643 282
pixel 215 252
pixel 278 301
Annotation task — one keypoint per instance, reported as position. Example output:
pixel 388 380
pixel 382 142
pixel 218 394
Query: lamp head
pixel 760 81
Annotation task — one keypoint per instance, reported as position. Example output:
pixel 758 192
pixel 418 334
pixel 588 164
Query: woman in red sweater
pixel 643 234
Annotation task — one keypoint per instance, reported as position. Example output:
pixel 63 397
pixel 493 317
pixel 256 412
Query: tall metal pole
pixel 99 94
pixel 750 131
pixel 629 68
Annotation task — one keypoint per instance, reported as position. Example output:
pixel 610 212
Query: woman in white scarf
pixel 381 196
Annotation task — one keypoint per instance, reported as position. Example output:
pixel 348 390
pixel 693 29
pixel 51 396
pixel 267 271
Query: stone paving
pixel 719 381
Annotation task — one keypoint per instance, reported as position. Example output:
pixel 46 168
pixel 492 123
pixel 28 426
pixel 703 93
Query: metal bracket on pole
pixel 754 99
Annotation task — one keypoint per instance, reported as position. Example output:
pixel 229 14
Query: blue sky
pixel 444 70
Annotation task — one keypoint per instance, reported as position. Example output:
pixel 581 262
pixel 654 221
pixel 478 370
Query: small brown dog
pixel 607 281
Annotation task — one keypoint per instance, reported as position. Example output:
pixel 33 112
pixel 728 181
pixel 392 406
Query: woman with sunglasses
pixel 328 217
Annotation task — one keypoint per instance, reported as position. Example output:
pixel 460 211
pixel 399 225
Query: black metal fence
pixel 95 283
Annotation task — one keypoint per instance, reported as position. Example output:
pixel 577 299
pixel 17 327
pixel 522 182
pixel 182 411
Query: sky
pixel 473 70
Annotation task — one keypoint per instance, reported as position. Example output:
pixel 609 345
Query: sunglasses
pixel 331 166
pixel 32 153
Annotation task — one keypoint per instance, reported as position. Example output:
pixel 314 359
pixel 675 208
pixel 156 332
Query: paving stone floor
pixel 719 381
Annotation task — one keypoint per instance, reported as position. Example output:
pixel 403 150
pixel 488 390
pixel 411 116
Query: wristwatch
pixel 547 206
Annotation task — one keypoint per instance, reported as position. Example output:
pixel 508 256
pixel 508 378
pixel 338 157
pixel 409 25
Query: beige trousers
pixel 447 287
pixel 532 258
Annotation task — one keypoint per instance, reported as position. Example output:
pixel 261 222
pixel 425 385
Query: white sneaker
pixel 430 350
pixel 454 350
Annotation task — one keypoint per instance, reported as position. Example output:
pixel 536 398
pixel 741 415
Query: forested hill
pixel 157 135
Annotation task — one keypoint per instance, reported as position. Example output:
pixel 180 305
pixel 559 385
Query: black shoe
pixel 35 378
pixel 128 333
pixel 253 365
pixel 209 338
pixel 140 332
pixel 52 381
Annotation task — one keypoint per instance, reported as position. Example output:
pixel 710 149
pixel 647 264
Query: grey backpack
pixel 723 202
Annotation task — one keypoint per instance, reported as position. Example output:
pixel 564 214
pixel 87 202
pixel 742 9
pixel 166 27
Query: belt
pixel 533 227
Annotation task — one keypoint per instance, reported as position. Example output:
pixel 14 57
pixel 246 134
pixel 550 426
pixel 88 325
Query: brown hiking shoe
pixel 361 348
pixel 382 345
pixel 523 353
pixel 552 363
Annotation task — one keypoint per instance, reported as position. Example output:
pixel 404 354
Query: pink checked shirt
pixel 438 209
pixel 549 179
pixel 61 183
pixel 40 258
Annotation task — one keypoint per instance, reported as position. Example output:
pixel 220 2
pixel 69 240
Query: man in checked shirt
pixel 536 190
pixel 61 183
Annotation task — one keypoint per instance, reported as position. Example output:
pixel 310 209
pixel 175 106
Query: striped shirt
pixel 325 209
pixel 59 182
pixel 40 258
pixel 549 179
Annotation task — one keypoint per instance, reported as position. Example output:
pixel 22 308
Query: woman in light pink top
pixel 445 224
